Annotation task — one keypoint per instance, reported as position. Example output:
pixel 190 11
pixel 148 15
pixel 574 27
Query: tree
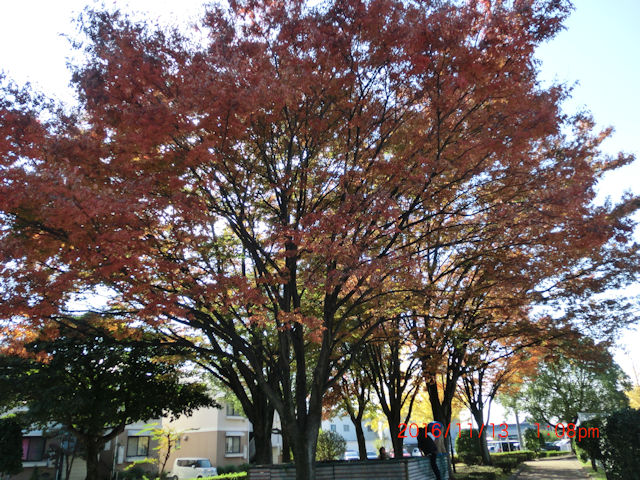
pixel 590 442
pixel 282 186
pixel 244 388
pixel 10 447
pixel 351 395
pixel 498 358
pixel 94 386
pixel 533 440
pixel 166 440
pixel 331 446
pixel 65 450
pixel 391 372
pixel 563 387
pixel 634 396
pixel 468 447
pixel 620 447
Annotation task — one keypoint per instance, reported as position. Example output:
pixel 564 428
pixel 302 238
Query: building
pixel 221 435
pixel 345 427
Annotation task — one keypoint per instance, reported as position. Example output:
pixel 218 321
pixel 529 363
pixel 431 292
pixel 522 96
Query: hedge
pixel 507 461
pixel 553 453
pixel 620 443
pixel 227 476
pixel 468 447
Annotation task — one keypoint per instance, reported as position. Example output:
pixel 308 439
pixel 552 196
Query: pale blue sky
pixel 600 50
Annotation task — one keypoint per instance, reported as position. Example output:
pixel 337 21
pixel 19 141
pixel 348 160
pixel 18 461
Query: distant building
pixel 345 427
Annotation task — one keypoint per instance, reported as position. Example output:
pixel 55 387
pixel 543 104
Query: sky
pixel 598 53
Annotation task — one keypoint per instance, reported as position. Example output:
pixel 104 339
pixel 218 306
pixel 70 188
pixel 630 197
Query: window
pixel 333 427
pixel 232 411
pixel 232 445
pixel 32 449
pixel 345 427
pixel 137 446
pixel 194 462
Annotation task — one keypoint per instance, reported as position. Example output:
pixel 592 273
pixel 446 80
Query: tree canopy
pixel 563 387
pixel 94 386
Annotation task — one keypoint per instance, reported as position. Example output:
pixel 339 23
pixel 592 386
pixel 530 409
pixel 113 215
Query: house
pixel 345 427
pixel 221 435
pixel 51 452
pixel 35 447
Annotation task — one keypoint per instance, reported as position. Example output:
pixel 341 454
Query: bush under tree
pixel 10 447
pixel 532 440
pixel 590 444
pixel 620 444
pixel 331 446
pixel 469 448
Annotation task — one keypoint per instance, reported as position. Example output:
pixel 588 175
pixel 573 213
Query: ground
pixel 558 468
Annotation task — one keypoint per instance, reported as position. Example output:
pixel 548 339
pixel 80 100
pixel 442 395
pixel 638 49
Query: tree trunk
pixel 262 426
pixel 362 444
pixel 304 454
pixel 286 448
pixel 394 421
pixel 478 415
pixel 441 409
pixel 91 455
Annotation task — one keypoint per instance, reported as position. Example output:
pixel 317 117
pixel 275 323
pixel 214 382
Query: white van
pixel 184 468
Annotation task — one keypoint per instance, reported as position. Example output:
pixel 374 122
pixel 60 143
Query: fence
pixel 410 468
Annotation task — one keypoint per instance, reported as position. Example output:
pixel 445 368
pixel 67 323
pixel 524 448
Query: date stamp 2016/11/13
pixel 571 430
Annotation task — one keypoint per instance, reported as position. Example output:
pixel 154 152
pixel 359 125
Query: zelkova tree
pixel 351 395
pixel 284 182
pixel 393 373
pixel 496 366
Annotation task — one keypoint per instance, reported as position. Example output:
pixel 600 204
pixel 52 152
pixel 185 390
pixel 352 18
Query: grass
pixel 599 475
pixel 462 471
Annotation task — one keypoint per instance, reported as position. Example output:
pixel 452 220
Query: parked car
pixel 351 455
pixel 372 455
pixel 550 447
pixel 416 452
pixel 193 467
pixel 405 453
pixel 563 445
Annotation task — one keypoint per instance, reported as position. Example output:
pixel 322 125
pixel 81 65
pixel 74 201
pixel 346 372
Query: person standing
pixel 428 446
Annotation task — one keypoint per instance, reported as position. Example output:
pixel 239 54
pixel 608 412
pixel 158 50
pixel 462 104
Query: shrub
pixel 533 441
pixel 10 447
pixel 224 469
pixel 520 455
pixel 620 443
pixel 553 453
pixel 468 447
pixel 135 472
pixel 331 446
pixel 507 461
pixel 228 476
pixel 588 448
pixel 506 464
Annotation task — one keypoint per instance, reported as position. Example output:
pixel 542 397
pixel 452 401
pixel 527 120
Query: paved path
pixel 558 468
